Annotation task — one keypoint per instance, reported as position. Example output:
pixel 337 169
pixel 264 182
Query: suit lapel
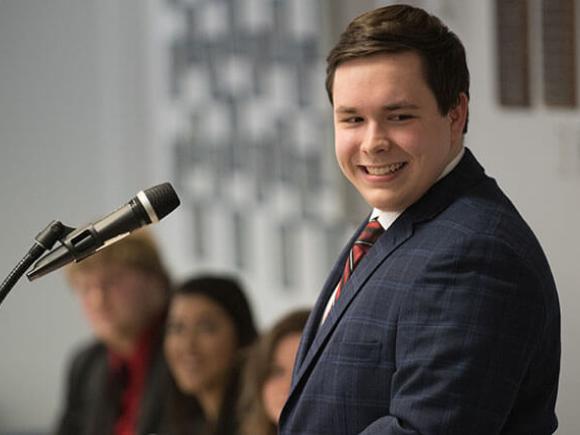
pixel 315 338
pixel 103 397
pixel 312 325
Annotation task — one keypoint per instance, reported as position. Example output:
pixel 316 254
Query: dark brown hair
pixel 401 28
pixel 228 293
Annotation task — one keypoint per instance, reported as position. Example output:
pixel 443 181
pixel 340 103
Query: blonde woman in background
pixel 268 374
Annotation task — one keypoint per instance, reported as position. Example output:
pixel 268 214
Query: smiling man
pixel 441 315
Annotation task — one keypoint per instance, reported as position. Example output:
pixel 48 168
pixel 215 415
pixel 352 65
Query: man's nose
pixel 376 138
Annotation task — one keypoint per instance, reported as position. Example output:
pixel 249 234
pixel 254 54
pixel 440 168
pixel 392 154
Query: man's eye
pixel 401 117
pixel 352 120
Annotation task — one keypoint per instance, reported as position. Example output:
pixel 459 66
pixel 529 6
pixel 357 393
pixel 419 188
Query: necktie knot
pixel 370 233
pixel 365 240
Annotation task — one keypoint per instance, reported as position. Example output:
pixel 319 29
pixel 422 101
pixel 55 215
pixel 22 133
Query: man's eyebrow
pixel 400 105
pixel 345 109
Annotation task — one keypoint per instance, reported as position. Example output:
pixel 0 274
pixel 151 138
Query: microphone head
pixel 163 199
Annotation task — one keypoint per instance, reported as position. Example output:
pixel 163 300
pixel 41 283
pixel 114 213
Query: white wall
pixel 50 158
pixel 71 148
pixel 74 144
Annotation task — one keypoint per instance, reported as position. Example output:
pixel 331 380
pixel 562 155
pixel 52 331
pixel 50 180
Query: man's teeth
pixel 384 170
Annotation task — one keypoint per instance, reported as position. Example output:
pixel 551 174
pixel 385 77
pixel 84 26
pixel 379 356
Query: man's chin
pixel 110 334
pixel 384 204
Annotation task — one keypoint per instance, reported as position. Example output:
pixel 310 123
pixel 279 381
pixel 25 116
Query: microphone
pixel 147 207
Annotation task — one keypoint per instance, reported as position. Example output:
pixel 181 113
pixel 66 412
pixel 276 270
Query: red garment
pixel 368 236
pixel 134 369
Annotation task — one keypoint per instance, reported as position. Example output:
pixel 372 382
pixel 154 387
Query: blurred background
pixel 225 99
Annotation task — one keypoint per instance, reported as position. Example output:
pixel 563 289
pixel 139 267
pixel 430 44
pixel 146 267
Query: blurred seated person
pixel 268 375
pixel 116 382
pixel 209 326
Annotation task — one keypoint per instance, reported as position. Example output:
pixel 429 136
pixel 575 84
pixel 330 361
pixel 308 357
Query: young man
pixel 443 319
pixel 117 382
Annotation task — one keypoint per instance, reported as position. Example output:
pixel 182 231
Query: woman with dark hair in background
pixel 268 374
pixel 209 324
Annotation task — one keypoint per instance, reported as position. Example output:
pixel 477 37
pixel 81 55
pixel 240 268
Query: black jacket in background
pixel 92 400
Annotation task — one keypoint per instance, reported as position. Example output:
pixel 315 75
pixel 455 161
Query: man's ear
pixel 458 118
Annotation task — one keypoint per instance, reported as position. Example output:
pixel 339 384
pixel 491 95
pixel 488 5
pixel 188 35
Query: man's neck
pixel 122 346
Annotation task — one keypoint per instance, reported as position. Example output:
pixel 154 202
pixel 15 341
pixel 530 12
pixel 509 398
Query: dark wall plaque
pixel 559 52
pixel 513 52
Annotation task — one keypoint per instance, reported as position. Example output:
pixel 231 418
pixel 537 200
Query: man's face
pixel 119 302
pixel 391 141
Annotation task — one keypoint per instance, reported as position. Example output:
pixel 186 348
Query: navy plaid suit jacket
pixel 449 325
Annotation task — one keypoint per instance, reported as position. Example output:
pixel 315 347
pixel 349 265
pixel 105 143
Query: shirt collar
pixel 452 164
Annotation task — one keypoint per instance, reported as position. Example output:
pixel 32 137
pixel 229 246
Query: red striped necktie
pixel 363 243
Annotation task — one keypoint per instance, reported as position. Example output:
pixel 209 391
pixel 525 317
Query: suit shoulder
pixel 485 211
pixel 85 356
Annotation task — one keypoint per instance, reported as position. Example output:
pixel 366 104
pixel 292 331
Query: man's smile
pixel 385 169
